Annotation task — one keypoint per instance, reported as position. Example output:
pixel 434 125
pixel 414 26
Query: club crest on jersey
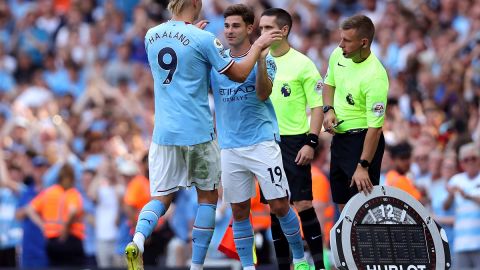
pixel 319 87
pixel 378 109
pixel 349 99
pixel 286 90
pixel 220 47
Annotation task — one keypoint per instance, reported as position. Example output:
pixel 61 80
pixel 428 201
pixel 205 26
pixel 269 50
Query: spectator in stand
pixel 464 194
pixel 10 231
pixel 398 176
pixel 429 48
pixel 437 193
pixel 420 166
pixel 58 212
pixel 89 242
pixel 33 242
pixel 104 192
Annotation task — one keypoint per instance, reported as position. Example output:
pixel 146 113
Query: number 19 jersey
pixel 181 56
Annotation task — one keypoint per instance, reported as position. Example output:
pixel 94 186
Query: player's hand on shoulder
pixel 267 38
pixel 202 24
pixel 305 155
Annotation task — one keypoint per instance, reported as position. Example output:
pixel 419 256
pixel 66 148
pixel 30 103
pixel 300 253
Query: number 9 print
pixel 171 66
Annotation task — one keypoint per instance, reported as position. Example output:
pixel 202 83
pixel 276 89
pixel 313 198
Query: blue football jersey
pixel 181 57
pixel 242 119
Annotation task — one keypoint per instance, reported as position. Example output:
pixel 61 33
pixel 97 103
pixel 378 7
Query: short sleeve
pixel 329 76
pixel 37 202
pixel 75 200
pixel 376 101
pixel 271 67
pixel 311 80
pixel 215 53
pixel 454 181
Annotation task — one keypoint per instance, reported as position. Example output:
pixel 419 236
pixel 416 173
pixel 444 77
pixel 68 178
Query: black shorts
pixel 346 150
pixel 299 177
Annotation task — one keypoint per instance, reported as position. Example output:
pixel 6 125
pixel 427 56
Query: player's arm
pixel 328 92
pixel 448 202
pixel 376 98
pixel 32 208
pixel 239 71
pixel 306 153
pixel 264 79
pixel 34 216
pixel 329 118
pixel 370 144
pixel 316 120
pixel 310 78
pixel 473 197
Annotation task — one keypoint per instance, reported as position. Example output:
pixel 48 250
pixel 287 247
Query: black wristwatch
pixel 364 163
pixel 327 108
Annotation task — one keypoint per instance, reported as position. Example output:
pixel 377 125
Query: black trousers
pixel 65 253
pixel 8 257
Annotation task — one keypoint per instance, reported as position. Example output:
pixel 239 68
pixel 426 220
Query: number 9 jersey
pixel 181 56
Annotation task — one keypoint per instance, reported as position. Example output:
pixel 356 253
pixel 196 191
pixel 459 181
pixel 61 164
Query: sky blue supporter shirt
pixel 243 119
pixel 181 57
pixel 10 230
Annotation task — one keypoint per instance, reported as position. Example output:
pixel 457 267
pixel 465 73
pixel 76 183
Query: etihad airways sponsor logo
pixel 239 90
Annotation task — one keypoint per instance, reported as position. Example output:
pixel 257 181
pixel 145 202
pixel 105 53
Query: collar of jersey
pixel 180 21
pixel 239 56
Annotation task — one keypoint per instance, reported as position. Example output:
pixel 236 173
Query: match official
pixel 354 97
pixel 294 88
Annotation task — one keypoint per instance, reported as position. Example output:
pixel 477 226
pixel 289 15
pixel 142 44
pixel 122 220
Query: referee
pixel 294 88
pixel 354 97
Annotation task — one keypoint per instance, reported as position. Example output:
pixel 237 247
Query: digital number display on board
pixel 391 244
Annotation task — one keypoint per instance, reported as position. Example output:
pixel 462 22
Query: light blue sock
pixel 291 229
pixel 244 241
pixel 202 232
pixel 148 218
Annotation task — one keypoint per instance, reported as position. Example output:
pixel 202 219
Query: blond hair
pixel 469 149
pixel 176 6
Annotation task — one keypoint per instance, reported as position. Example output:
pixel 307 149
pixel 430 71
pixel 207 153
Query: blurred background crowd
pixel 76 108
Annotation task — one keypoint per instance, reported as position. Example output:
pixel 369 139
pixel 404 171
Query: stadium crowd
pixel 75 89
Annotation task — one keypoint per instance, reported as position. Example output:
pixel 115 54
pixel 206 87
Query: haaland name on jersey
pixel 181 37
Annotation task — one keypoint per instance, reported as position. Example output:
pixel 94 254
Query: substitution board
pixel 388 229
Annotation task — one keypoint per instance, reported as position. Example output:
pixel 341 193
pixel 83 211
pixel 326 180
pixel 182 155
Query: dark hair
pixel 282 17
pixel 241 10
pixel 362 24
pixel 400 150
pixel 66 173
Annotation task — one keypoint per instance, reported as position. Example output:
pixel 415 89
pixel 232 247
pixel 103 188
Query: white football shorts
pixel 240 165
pixel 172 167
